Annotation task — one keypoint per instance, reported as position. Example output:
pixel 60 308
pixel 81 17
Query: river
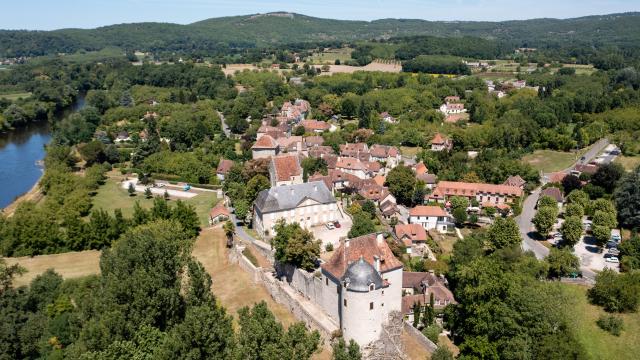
pixel 20 153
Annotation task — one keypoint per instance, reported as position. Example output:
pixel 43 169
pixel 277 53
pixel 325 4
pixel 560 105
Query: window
pixel 371 306
pixel 326 281
pixel 371 287
pixel 345 302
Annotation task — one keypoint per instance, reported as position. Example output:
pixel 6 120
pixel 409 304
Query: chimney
pixel 380 239
pixel 376 260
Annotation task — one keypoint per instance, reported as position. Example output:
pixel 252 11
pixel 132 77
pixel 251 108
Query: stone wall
pixel 416 334
pixel 302 308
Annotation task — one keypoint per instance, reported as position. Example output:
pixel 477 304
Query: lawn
pixel 69 265
pixel 112 196
pixel 331 56
pixel 628 162
pixel 15 96
pixel 550 160
pixel 598 343
pixel 410 151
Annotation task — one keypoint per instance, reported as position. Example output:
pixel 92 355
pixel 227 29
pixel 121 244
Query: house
pixel 376 193
pixel 430 180
pixel 223 168
pixel 556 177
pixel 452 108
pixel 585 168
pixel 483 193
pixel 296 111
pixel 452 99
pixel 418 287
pixel 555 194
pixel 291 144
pixel 308 204
pixel 315 126
pixel 440 143
pixel 361 286
pixel 354 150
pixel 420 168
pixel 122 136
pixel 219 214
pixel 265 147
pixel 353 166
pixel 388 118
pixel 456 118
pixel 312 141
pixel 410 234
pixel 285 170
pixel 387 154
pixel 273 131
pixel 430 218
pixel 516 181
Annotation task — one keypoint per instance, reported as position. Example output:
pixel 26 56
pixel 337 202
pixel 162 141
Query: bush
pixel 329 247
pixel 611 324
pixel 249 255
pixel 616 292
pixel 432 332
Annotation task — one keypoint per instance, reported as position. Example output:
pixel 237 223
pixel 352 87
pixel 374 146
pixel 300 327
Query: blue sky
pixel 55 14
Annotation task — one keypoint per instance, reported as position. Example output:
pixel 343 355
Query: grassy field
pixel 69 265
pixel 112 196
pixel 343 54
pixel 550 160
pixel 15 96
pixel 410 151
pixel 629 162
pixel 598 343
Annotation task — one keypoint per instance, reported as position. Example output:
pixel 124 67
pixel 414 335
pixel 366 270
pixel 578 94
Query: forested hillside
pixel 218 34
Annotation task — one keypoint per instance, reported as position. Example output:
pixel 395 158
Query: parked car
pixel 614 251
pixel 613 259
pixel 611 244
pixel 337 224
pixel 330 226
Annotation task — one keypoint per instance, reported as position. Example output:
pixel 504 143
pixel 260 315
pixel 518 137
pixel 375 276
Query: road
pixel 527 230
pixel 225 127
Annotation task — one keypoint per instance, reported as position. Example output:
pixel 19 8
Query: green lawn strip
pixel 112 196
pixel 598 343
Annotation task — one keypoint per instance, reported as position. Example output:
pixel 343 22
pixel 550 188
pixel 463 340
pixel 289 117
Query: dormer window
pixel 372 287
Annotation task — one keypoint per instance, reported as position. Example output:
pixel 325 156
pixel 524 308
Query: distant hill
pixel 260 30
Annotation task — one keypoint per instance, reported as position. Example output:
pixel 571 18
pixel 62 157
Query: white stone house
pixel 431 218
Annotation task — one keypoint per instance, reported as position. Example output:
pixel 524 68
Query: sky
pixel 56 14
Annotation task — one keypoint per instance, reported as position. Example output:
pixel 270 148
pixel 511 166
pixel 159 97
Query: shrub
pixel 329 247
pixel 432 332
pixel 249 255
pixel 611 324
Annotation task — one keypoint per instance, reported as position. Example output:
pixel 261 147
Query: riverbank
pixel 34 195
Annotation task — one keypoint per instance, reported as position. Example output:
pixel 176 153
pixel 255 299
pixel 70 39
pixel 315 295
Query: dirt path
pixel 69 265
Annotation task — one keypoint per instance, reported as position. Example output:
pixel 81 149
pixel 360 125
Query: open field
pixel 112 196
pixel 374 66
pixel 409 151
pixel 598 343
pixel 232 68
pixel 69 265
pixel 15 96
pixel 581 69
pixel 330 56
pixel 551 160
pixel 629 162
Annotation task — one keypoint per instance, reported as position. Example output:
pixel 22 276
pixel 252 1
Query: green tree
pixel 417 312
pixel 131 189
pixel 460 215
pixel 503 233
pixel 241 209
pixel 310 166
pixel 627 197
pixel 147 193
pixel 362 225
pixel 295 246
pixel 615 292
pixel 601 233
pixel 562 263
pixel 255 186
pixel 607 176
pixel 630 253
pixel 574 209
pixel 607 219
pixel 459 202
pixel 369 207
pixel 343 352
pixel 401 182
pixel 544 219
pixel 442 353
pixel 547 201
pixel 571 231
pixel 571 183
pixel 578 197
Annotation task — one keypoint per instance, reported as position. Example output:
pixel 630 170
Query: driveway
pixel 332 236
pixel 591 259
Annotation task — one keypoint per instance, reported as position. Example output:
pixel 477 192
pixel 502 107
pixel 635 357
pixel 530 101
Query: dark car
pixel 337 224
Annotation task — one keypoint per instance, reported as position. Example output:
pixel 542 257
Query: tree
pixel 342 352
pixel 571 231
pixel 442 353
pixel 547 201
pixel 295 246
pixel 7 273
pixel 362 225
pixel 131 189
pixel 578 197
pixel 615 292
pixel 603 205
pixel 92 152
pixel 229 230
pixel 574 210
pixel 570 183
pixel 311 166
pixel 603 218
pixel 601 233
pixel 630 253
pixel 369 207
pixel 545 218
pixel 607 176
pixel 460 215
pixel 416 314
pixel 401 182
pixel 503 233
pixel 299 130
pixel 627 197
pixel 147 193
pixel 255 186
pixel 241 209
pixel 459 202
pixel 562 263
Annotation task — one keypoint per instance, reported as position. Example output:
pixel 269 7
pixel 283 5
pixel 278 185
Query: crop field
pixel 330 56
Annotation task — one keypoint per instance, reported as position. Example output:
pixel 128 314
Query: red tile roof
pixel 453 188
pixel 420 168
pixel 312 125
pixel 286 166
pixel 366 246
pixel 438 139
pixel 383 151
pixel 515 181
pixel 218 210
pixel 350 163
pixel 265 142
pixel 379 179
pixel 410 232
pixel 224 166
pixel 423 210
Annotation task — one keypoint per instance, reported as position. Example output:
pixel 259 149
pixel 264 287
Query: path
pixel 524 220
pixel 225 127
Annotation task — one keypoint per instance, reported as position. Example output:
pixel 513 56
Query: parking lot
pixel 332 236
pixel 591 257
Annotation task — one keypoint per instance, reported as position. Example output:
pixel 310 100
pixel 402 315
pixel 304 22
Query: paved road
pixel 527 230
pixel 225 127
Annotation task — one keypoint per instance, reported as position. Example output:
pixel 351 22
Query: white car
pixel 330 226
pixel 612 259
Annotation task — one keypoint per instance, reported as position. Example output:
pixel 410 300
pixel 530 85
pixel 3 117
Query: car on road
pixel 612 259
pixel 330 226
pixel 613 251
pixel 337 224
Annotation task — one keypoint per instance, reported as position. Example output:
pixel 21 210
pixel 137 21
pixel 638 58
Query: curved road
pixel 527 230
